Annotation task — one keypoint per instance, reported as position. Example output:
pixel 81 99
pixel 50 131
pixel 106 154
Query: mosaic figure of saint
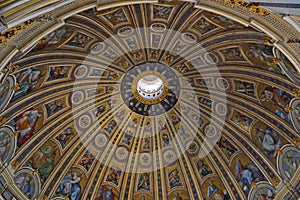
pixel 70 186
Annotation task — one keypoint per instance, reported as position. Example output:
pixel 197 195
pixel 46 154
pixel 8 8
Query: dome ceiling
pixel 224 124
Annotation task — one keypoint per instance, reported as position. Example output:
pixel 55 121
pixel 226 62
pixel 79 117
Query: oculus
pixel 150 89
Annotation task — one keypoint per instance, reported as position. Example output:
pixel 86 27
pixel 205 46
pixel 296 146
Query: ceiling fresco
pixel 73 125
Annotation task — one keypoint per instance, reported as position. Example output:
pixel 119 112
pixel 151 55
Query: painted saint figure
pixel 146 145
pixel 182 133
pixel 204 26
pixel 79 40
pixel 177 197
pixel 116 17
pixel 114 175
pixel 105 194
pixel 166 140
pixel 25 125
pixel 291 162
pixel 213 192
pixel 203 168
pixel 224 143
pixel 144 182
pixel 264 194
pixel 100 196
pixel 127 139
pixel 245 88
pixel 52 39
pixel 276 100
pixel 28 80
pixel 247 174
pixel 24 183
pixel 4 90
pixel 54 107
pixel 111 126
pixel 4 145
pixel 70 186
pixel 109 194
pixel 269 140
pixel 65 136
pixel 162 12
pixel 43 160
pixel 57 72
pixel 87 160
pixel 197 119
pixel 242 120
pixel 174 179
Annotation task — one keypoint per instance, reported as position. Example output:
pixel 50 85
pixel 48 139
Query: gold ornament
pixel 138 56
pixel 268 40
pixel 16 134
pixel 288 109
pixel 124 64
pixel 253 185
pixel 13 68
pixel 296 141
pixel 153 55
pixel 276 181
pixel 2 120
pixel 36 172
pixel 16 87
pixel 169 59
pixel 278 151
pixel 296 92
pixel 276 60
pixel 15 165
pixel 254 7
